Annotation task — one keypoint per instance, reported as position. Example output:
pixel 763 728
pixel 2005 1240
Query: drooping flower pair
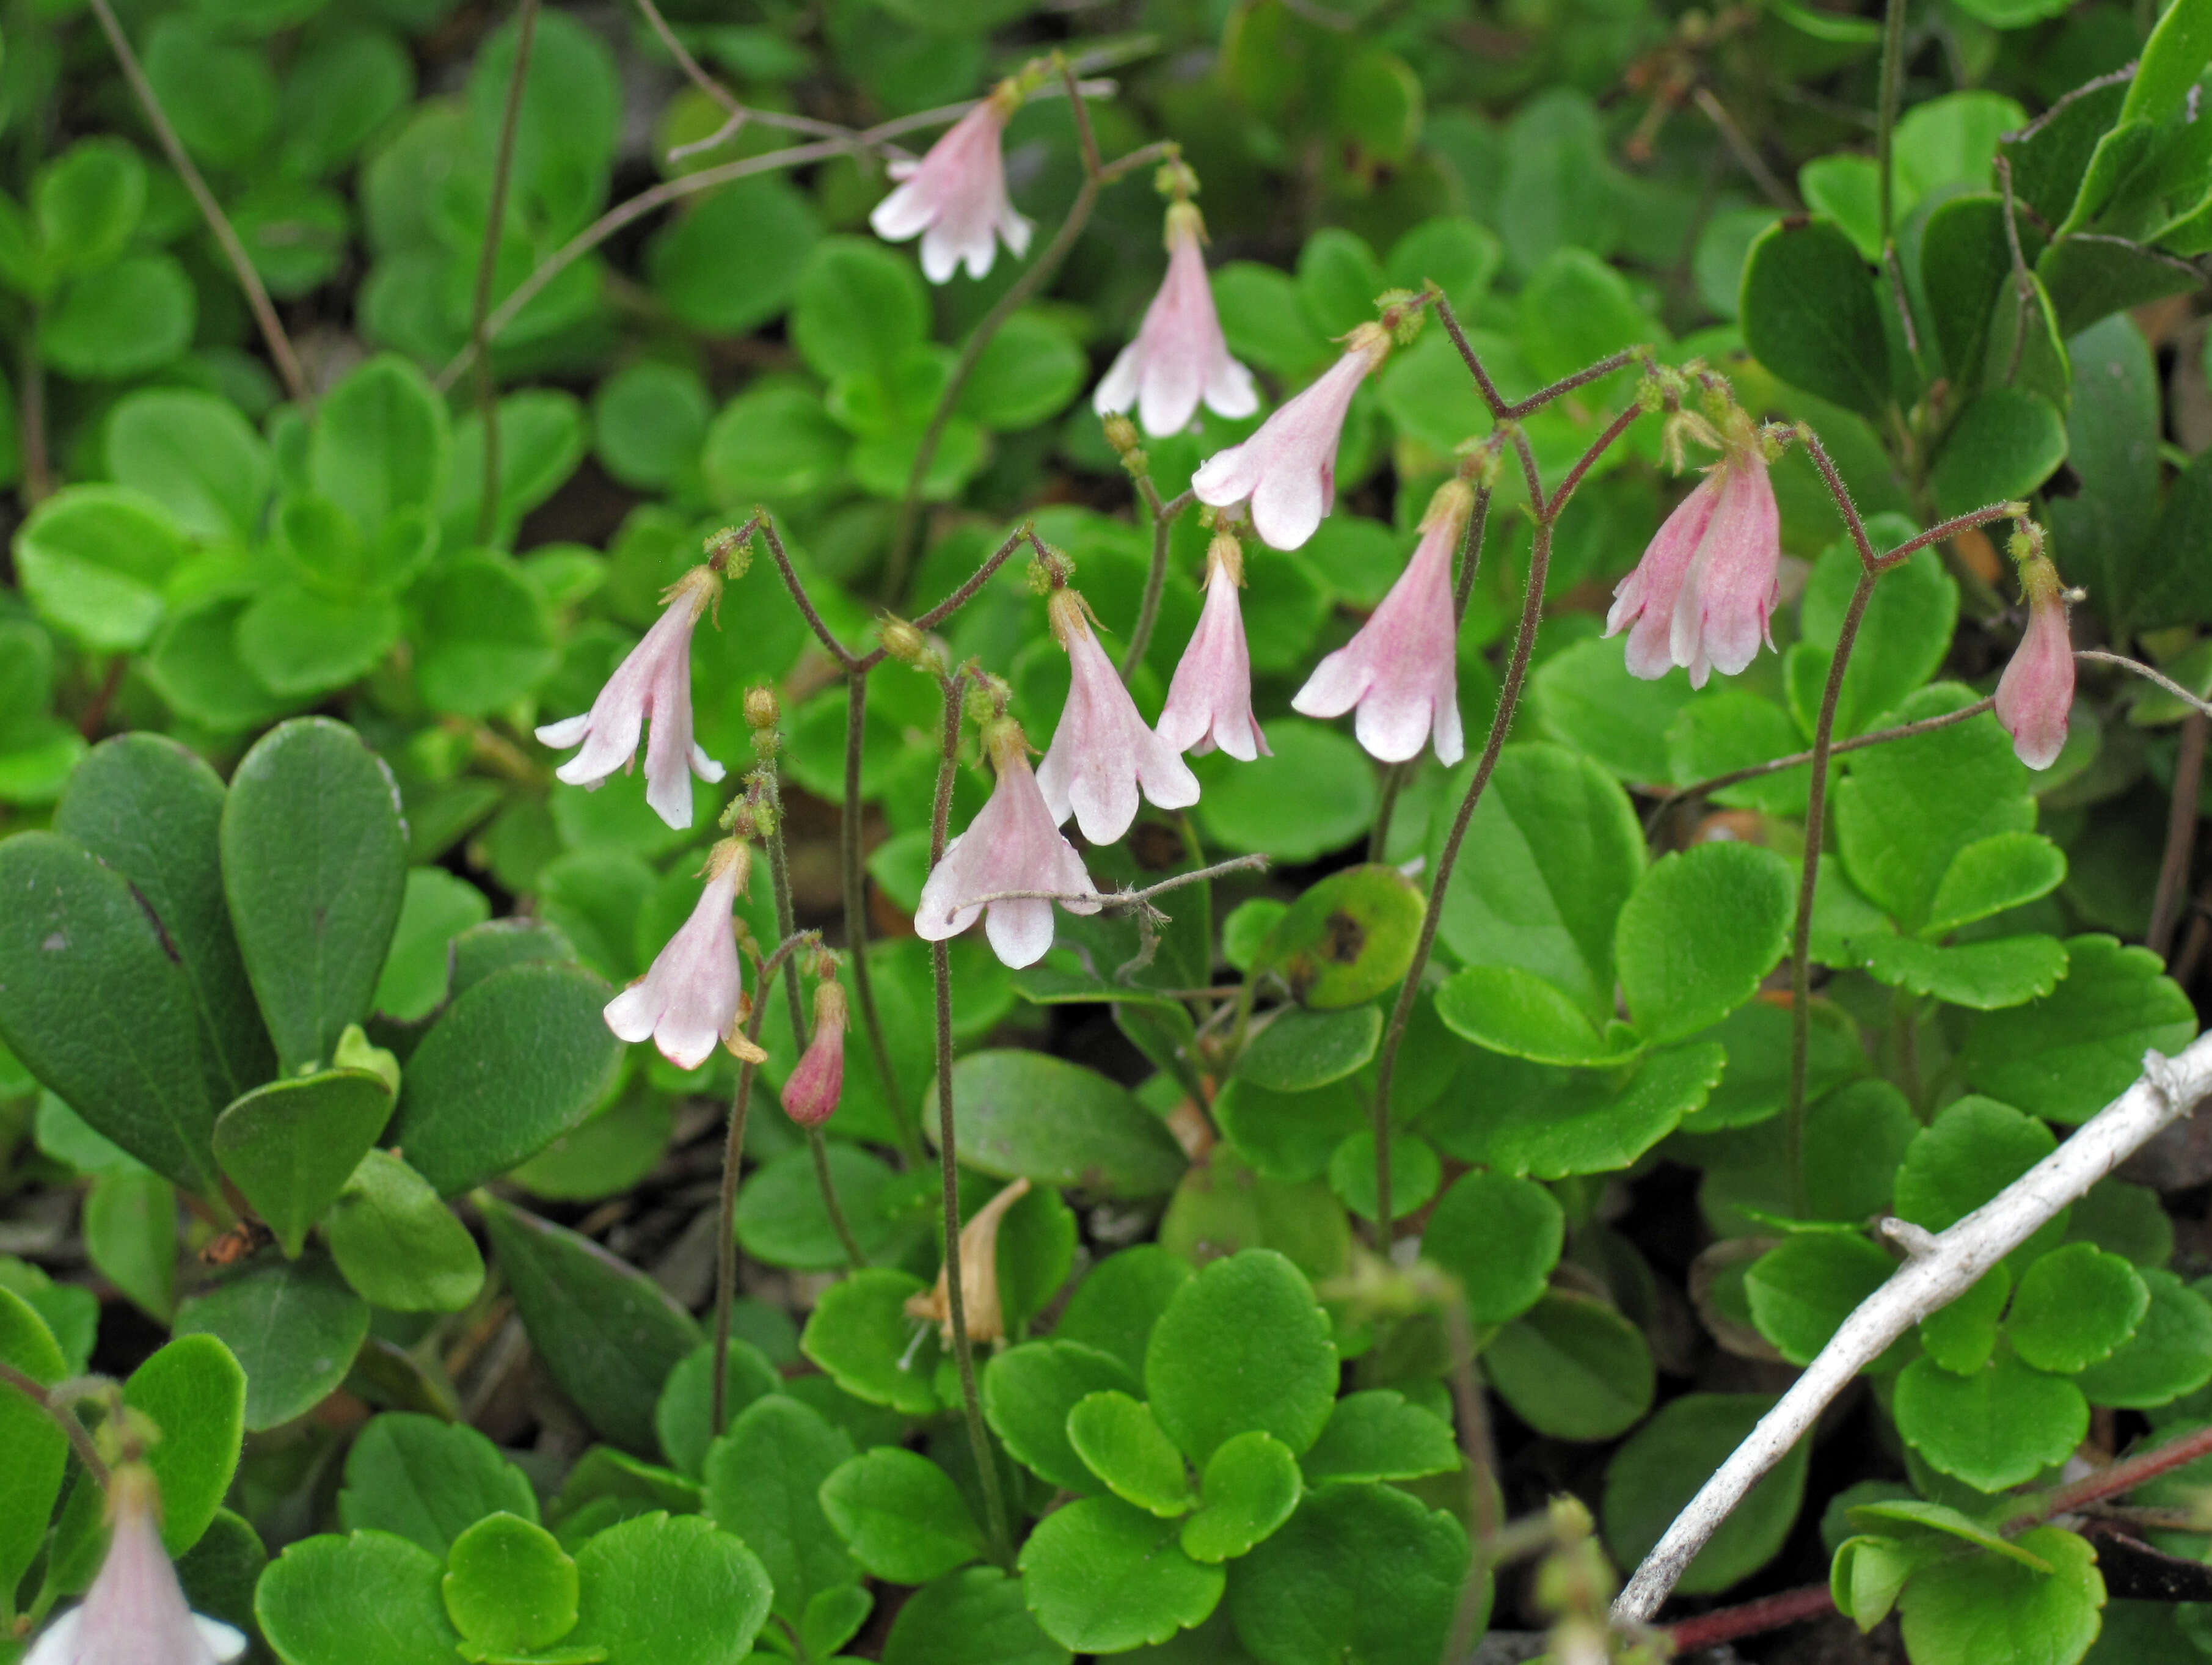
pixel 1703 593
pixel 136 1613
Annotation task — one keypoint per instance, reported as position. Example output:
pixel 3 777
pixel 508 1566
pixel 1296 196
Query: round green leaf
pixel 859 1333
pixel 1573 1368
pixel 1810 314
pixel 670 1590
pixel 2006 443
pixel 509 1587
pixel 976 1617
pixel 773 442
pixel 1250 1486
pixel 1500 1236
pixel 859 308
pixel 291 1146
pixel 901 1516
pixel 2000 1427
pixel 1656 1472
pixel 33 1452
pixel 2066 1055
pixel 1380 1435
pixel 1119 1441
pixel 397 1243
pixel 88 201
pixel 1701 930
pixel 684 1414
pixel 194 455
pixel 733 261
pixel 120 320
pixel 1022 1115
pixel 648 421
pixel 1347 939
pixel 781 1218
pixel 1366 1574
pixel 1242 1346
pixel 484 638
pixel 221 99
pixel 2169 1355
pixel 2074 1307
pixel 1120 1299
pixel 1991 1607
pixel 1026 374
pixel 765 1479
pixel 427 1481
pixel 1103 1576
pixel 1298 1051
pixel 369 1598
pixel 1968 1154
pixel 1028 1392
pixel 95 560
pixel 1316 793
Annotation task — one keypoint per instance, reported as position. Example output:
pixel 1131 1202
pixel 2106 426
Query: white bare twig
pixel 1944 1268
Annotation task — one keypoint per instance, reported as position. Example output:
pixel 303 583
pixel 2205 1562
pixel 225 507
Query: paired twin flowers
pixel 1702 598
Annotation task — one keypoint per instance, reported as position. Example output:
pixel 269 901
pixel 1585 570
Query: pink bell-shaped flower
pixel 1288 469
pixel 817 1081
pixel 1013 844
pixel 2036 691
pixel 1210 700
pixel 956 195
pixel 1179 356
pixel 1102 751
pixel 1707 583
pixel 135 1613
pixel 654 680
pixel 1402 671
pixel 689 999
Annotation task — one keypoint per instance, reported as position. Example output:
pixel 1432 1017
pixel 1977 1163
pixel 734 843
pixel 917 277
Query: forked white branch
pixel 1939 1269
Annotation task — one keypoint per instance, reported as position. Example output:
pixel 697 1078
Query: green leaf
pixel 294 642
pixel 33 1452
pixel 94 561
pixel 1970 1151
pixel 2006 443
pixel 125 320
pixel 1903 637
pixel 859 1333
pixel 858 309
pixel 1991 1607
pixel 397 1243
pixel 1119 1300
pixel 1656 1473
pixel 542 438
pixel 901 1516
pixel 513 1062
pixel 1989 875
pixel 369 1598
pixel 1415 1173
pixel 1026 374
pixel 1988 976
pixel 673 1590
pixel 428 1482
pixel 684 1415
pixel 219 1571
pixel 763 1481
pixel 87 201
pixel 97 1007
pixel 294 1326
pixel 1809 315
pixel 1242 1346
pixel 196 456
pixel 1224 1206
pixel 1028 1392
pixel 336 96
pixel 1573 1368
pixel 1584 697
pixel 2126 1220
pixel 1733 729
pixel 1550 1123
pixel 1313 793
pixel 1103 1577
pixel 1500 1236
pixel 2175 56
pixel 732 263
pixel 2066 1055
pixel 291 1146
pixel 434 909
pixel 1361 1575
pixel 381 447
pixel 781 1218
pixel 1802 1289
pixel 1379 1435
pixel 648 419
pixel 2074 1306
pixel 2000 1427
pixel 1339 278
pixel 1519 1013
pixel 1347 939
pixel 314 863
pixel 1265 319
pixel 976 1617
pixel 1962 1337
pixel 1458 255
pixel 1298 1051
pixel 1118 1441
pixel 1250 1486
pixel 2170 1353
pixel 609 1334
pixel 509 1587
pixel 1552 853
pixel 1029 1114
pixel 483 636
pixel 129 1227
pixel 1701 931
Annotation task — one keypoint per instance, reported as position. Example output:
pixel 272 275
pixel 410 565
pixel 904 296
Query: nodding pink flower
pixel 1703 594
pixel 2037 689
pixel 655 682
pixel 1102 751
pixel 136 1613
pixel 1288 469
pixel 956 195
pixel 1210 701
pixel 1013 844
pixel 811 1092
pixel 1179 355
pixel 1402 671
pixel 689 999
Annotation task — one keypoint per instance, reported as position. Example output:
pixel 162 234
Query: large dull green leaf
pixel 1810 314
pixel 291 1146
pixel 292 1325
pixel 1030 1116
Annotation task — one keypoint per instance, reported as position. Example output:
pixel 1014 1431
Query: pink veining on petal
pixel 1210 699
pixel 1645 597
pixel 688 999
pixel 1179 356
pixel 1103 753
pixel 136 1613
pixel 654 680
pixel 1013 844
pixel 1288 469
pixel 955 198
pixel 1400 674
pixel 1730 587
pixel 2036 692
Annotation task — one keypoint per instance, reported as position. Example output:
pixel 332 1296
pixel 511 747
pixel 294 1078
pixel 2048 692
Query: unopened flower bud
pixel 812 1090
pixel 762 710
pixel 1120 434
pixel 2036 692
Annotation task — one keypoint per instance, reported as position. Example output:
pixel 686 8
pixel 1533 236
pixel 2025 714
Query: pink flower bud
pixel 1014 844
pixel 2037 689
pixel 1102 751
pixel 1402 671
pixel 687 1000
pixel 1179 356
pixel 654 680
pixel 1288 469
pixel 1210 701
pixel 812 1090
pixel 1702 595
pixel 135 1613
pixel 956 195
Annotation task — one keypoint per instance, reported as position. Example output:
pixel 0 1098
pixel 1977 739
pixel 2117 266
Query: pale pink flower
pixel 655 682
pixel 1708 579
pixel 817 1081
pixel 1288 469
pixel 2037 689
pixel 956 195
pixel 1102 751
pixel 1013 844
pixel 1179 355
pixel 1402 671
pixel 135 1613
pixel 1645 597
pixel 1210 700
pixel 689 999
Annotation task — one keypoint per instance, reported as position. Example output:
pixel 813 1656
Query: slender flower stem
pixel 1505 409
pixel 940 972
pixel 1394 782
pixel 1950 528
pixel 1470 554
pixel 1165 515
pixel 79 1437
pixel 856 916
pixel 1893 76
pixel 845 657
pixel 1118 901
pixel 2180 836
pixel 1841 493
pixel 2137 668
pixel 959 598
pixel 241 267
pixel 30 414
pixel 855 1258
pixel 488 267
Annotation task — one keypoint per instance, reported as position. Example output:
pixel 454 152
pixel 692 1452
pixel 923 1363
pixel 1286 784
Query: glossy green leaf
pixel 2007 870
pixel 1809 315
pixel 1985 1605
pixel 860 1333
pixel 1347 939
pixel 1103 1576
pixel 1962 1337
pixel 1701 930
pixel 1120 1299
pixel 2007 442
pixel 1360 1573
pixel 2066 1055
pixel 509 1588
pixel 977 1616
pixel 2170 1353
pixel 1988 976
pixel 1028 1392
pixel 194 455
pixel 369 1598
pixel 1802 1289
pixel 1118 1440
pixel 428 1482
pixel 33 1452
pixel 2074 1307
pixel 901 1516
pixel 683 1416
pixel 1500 1236
pixel 94 561
pixel 2000 1427
pixel 1298 1051
pixel 1242 1346
pixel 397 1243
pixel 1380 1435
pixel 671 1590
pixel 1250 1486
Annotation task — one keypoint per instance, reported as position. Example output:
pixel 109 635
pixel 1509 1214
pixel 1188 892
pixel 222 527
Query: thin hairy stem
pixel 2180 836
pixel 1841 493
pixel 1394 782
pixel 845 657
pixel 2137 668
pixel 959 598
pixel 79 1437
pixel 1470 554
pixel 488 268
pixel 856 881
pixel 1165 515
pixel 855 1259
pixel 940 971
pixel 1945 528
pixel 1746 153
pixel 1505 409
pixel 1893 77
pixel 31 415
pixel 1113 902
pixel 257 295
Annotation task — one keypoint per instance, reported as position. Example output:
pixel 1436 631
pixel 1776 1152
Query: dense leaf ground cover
pixel 1677 544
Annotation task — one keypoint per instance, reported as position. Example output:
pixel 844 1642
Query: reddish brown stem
pixel 1769 1613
